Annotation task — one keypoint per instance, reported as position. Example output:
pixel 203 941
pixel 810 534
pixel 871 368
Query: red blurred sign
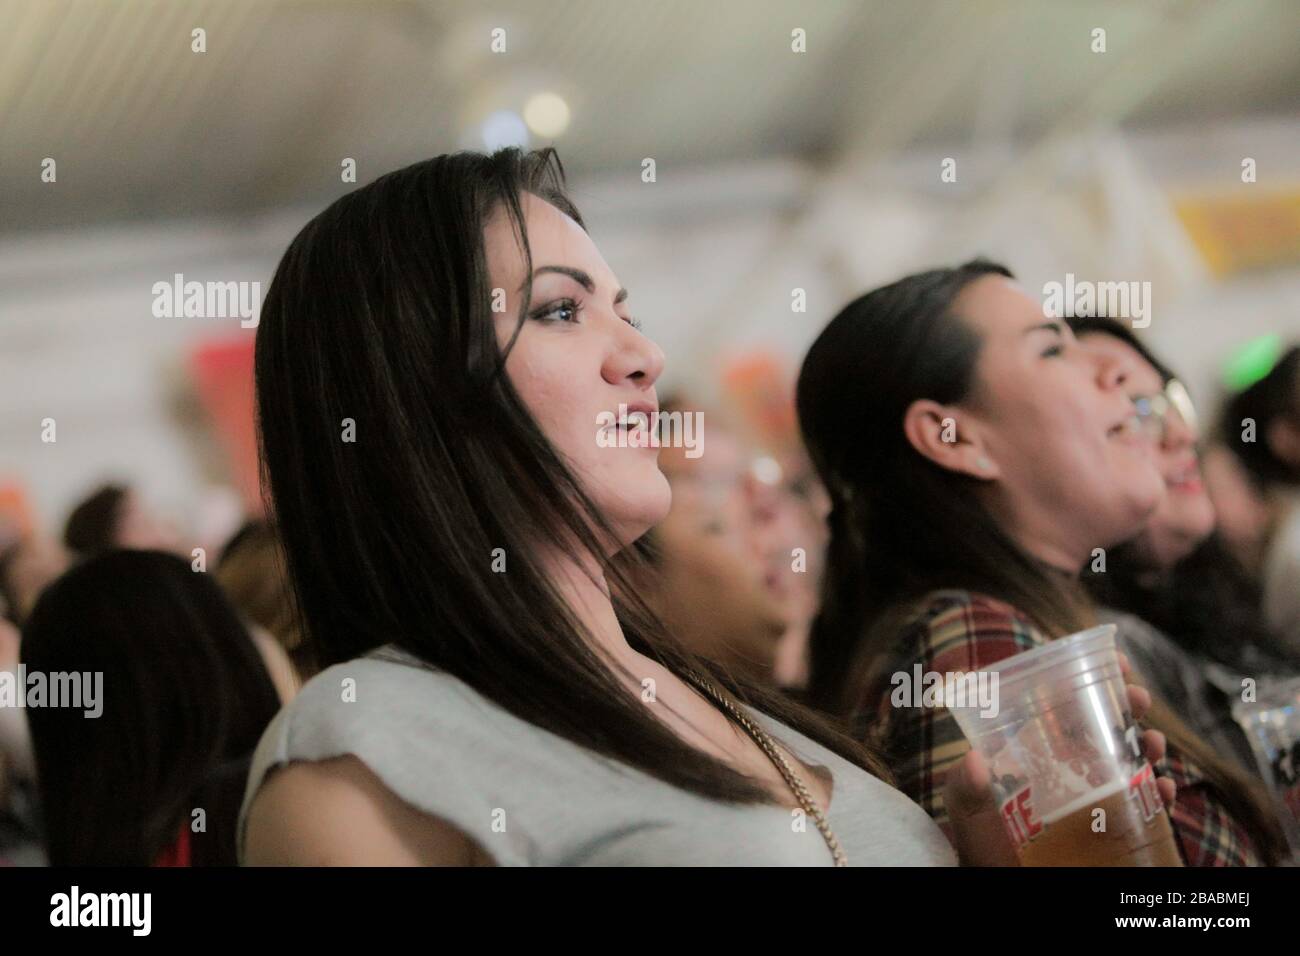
pixel 223 378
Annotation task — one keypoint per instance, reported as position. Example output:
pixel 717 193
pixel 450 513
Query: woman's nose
pixel 1110 372
pixel 633 357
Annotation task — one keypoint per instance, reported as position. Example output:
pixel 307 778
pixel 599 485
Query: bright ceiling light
pixel 504 128
pixel 547 115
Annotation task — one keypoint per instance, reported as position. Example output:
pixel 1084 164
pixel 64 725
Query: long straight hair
pixel 903 527
pixel 378 322
pixel 900 525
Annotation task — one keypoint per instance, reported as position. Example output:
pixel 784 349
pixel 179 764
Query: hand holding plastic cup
pixel 1066 759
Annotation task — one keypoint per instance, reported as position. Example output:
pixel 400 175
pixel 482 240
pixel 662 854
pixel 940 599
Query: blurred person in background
pixel 713 588
pixel 1243 517
pixel 185 697
pixel 116 516
pixel 1262 426
pixel 1181 574
pixel 791 508
pixel 20 843
pixel 1178 596
pixel 976 455
pixel 26 567
pixel 251 572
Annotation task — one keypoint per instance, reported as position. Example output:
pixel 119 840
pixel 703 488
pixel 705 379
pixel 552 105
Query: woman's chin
pixel 636 514
pixel 1149 493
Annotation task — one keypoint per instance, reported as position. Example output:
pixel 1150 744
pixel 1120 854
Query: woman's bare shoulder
pixel 336 812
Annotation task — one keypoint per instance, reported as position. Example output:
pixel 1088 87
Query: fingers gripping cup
pixel 1066 760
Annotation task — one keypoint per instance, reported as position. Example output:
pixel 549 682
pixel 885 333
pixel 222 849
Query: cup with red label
pixel 1063 750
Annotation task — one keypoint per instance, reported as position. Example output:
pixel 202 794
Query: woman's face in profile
pixel 1185 516
pixel 577 358
pixel 1058 424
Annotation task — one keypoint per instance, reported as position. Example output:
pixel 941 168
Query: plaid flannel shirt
pixel 960 631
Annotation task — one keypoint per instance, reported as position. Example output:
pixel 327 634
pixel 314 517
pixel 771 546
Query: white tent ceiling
pixel 142 127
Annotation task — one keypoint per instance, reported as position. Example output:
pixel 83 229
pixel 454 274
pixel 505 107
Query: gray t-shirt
pixel 532 798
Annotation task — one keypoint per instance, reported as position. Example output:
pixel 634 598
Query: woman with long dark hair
pixel 977 458
pixel 440 360
pixel 156 776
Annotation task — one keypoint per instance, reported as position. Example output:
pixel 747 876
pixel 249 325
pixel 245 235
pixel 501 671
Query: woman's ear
pixel 948 438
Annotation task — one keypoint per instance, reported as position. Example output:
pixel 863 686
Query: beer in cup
pixel 1064 752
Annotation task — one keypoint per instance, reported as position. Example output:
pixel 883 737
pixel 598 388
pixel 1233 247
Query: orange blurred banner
pixel 1239 232
pixel 15 511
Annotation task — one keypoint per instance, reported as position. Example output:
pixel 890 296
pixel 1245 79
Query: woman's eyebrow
pixel 578 276
pixel 1045 327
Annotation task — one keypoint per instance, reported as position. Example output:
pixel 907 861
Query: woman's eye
pixel 1053 351
pixel 564 310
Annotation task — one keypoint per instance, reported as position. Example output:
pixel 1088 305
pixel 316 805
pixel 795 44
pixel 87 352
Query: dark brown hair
pixel 903 527
pixel 92 525
pixel 380 311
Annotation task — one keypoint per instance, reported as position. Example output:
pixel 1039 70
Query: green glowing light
pixel 1251 362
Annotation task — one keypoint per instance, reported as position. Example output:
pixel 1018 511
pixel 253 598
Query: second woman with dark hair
pixel 977 457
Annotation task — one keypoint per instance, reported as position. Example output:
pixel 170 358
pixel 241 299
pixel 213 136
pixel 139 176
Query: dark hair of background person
pixel 902 526
pixel 1275 396
pixel 1207 603
pixel 8 596
pixel 185 699
pixel 251 572
pixel 380 312
pixel 92 525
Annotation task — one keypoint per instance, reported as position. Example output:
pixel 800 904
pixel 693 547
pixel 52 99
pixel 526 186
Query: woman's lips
pixel 1186 480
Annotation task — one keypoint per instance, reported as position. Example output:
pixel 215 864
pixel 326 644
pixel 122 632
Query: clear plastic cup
pixel 1064 752
pixel 1272 724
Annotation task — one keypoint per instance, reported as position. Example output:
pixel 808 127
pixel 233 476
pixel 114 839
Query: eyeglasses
pixel 1153 411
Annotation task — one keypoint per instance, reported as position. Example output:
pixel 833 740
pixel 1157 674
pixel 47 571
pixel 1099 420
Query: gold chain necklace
pixel 792 779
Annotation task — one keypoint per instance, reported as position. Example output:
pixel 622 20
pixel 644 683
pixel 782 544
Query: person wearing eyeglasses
pixel 1185 516
pixel 1187 614
pixel 976 456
